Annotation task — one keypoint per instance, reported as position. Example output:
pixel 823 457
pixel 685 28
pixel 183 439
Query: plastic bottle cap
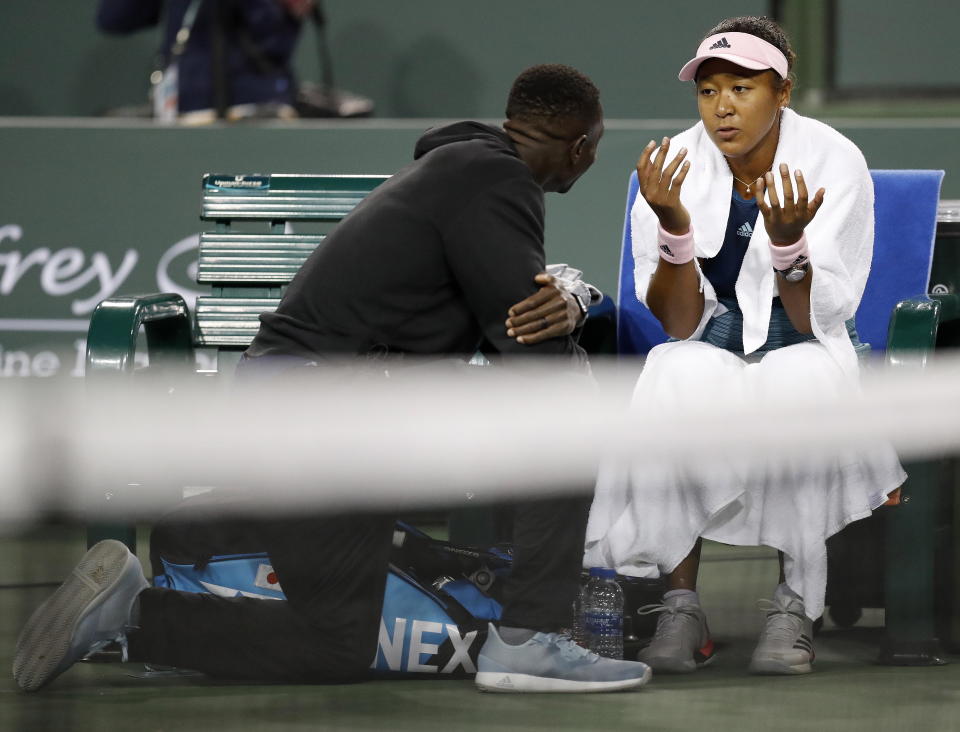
pixel 603 572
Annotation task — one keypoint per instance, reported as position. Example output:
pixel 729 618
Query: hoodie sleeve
pixel 494 246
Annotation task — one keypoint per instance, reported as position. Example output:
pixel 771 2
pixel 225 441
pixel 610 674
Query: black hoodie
pixel 429 263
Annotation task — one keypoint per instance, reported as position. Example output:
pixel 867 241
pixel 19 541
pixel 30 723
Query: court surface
pixel 848 690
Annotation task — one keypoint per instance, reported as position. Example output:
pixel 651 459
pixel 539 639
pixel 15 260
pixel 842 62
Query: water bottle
pixel 603 613
pixel 579 632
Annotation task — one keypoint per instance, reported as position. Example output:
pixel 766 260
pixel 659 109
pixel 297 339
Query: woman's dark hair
pixel 553 90
pixel 762 27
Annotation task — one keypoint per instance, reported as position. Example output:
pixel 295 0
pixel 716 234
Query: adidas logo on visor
pixel 722 43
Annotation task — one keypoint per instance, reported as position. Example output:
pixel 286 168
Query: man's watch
pixel 796 271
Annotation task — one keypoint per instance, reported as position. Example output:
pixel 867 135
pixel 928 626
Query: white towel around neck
pixel 840 237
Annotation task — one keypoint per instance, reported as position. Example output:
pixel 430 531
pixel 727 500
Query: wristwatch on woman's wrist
pixel 796 271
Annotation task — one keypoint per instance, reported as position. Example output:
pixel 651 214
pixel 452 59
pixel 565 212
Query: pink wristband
pixel 783 257
pixel 675 249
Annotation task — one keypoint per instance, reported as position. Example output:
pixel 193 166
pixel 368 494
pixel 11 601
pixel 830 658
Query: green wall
pixel 415 58
pixel 913 47
pixel 437 58
pixel 430 58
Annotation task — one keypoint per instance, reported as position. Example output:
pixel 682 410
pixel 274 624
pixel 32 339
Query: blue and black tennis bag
pixel 437 605
pixel 438 601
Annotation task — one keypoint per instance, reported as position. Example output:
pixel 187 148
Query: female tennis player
pixel 752 235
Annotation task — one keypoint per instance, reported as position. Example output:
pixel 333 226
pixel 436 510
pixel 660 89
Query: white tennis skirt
pixel 647 515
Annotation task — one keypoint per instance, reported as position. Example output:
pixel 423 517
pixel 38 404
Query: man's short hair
pixel 553 91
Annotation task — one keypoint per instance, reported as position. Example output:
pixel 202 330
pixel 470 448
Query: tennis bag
pixel 438 601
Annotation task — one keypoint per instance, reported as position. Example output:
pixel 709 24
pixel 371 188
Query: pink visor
pixel 741 49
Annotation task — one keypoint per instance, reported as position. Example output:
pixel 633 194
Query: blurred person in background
pixel 230 59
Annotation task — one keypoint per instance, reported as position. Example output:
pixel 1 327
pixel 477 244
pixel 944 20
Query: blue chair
pixel 897 316
pixel 905 223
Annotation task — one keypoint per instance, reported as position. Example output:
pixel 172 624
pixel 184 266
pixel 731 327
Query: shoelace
pixel 569 650
pixel 672 619
pixel 782 624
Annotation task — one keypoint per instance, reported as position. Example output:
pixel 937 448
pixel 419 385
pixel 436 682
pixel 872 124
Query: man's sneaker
pixel 681 643
pixel 552 662
pixel 786 643
pixel 88 611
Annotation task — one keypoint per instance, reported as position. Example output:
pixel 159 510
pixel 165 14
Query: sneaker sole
pixel 511 683
pixel 771 667
pixel 44 643
pixel 673 666
pixel 669 665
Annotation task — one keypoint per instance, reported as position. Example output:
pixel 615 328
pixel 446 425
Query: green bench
pixel 247 259
pixel 918 326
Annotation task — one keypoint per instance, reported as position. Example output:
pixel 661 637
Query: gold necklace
pixel 748 185
pixel 741 182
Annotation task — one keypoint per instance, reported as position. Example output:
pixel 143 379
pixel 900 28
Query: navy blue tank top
pixel 723 269
pixel 726 330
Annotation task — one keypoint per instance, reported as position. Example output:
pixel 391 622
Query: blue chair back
pixel 905 226
pixel 905 211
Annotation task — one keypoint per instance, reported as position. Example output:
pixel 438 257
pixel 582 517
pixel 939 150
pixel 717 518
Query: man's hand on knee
pixel 550 312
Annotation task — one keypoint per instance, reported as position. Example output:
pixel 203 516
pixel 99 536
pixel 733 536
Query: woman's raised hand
pixel 660 187
pixel 785 223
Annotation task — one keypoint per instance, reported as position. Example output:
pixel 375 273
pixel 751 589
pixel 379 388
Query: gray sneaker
pixel 88 611
pixel 786 643
pixel 551 662
pixel 681 643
